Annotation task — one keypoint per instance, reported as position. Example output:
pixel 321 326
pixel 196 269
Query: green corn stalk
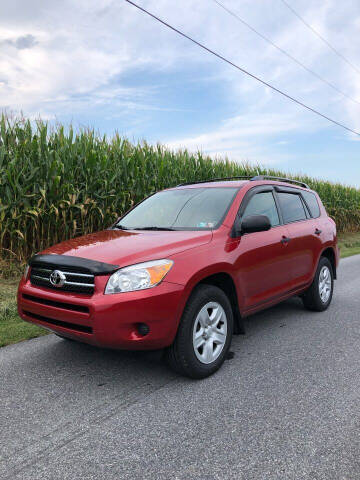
pixel 56 183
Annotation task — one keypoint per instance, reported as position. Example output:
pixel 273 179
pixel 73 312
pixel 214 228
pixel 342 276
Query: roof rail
pixel 279 179
pixel 246 177
pixel 243 177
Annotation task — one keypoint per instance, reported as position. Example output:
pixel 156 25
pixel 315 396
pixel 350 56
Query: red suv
pixel 183 268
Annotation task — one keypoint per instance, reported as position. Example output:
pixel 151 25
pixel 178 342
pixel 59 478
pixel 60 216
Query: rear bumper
pixel 106 320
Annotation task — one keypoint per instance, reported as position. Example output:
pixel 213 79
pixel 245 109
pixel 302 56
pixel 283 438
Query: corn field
pixel 56 184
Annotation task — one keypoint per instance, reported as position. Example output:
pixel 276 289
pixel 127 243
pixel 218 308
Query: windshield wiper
pixel 154 228
pixel 121 227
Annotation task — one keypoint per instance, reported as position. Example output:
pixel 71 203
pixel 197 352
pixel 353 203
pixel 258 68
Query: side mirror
pixel 255 223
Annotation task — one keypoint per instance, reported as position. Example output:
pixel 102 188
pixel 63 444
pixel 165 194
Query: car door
pixel 303 242
pixel 263 264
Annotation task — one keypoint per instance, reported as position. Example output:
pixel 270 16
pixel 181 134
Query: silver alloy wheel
pixel 210 332
pixel 325 284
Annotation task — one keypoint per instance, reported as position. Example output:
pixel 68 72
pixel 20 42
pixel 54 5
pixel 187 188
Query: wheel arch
pixel 225 282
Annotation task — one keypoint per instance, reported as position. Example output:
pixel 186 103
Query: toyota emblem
pixel 57 278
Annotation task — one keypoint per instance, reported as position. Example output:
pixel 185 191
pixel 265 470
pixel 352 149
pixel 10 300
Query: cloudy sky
pixel 107 65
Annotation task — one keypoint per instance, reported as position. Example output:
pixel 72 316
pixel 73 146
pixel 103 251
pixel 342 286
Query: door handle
pixel 285 240
pixel 317 231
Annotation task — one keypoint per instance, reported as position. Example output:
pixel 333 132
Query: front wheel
pixel 204 334
pixel 318 297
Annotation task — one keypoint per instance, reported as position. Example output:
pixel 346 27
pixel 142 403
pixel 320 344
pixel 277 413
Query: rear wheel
pixel 318 297
pixel 204 334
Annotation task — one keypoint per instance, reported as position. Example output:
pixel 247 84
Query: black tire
pixel 311 298
pixel 181 355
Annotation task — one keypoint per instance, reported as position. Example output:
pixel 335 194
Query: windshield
pixel 183 209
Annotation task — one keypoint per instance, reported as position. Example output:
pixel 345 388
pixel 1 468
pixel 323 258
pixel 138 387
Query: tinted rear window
pixel 292 207
pixel 312 203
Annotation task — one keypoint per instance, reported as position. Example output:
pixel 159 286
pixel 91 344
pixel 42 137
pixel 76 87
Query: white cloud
pixel 78 51
pixel 245 136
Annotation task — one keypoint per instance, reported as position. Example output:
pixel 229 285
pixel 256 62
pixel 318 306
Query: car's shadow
pixel 287 311
pixel 105 364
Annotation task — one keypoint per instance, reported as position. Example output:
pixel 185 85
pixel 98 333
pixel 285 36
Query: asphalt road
pixel 287 406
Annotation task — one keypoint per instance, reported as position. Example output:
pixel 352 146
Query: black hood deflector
pixel 73 263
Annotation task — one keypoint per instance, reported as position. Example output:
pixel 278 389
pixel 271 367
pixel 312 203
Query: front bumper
pixel 106 320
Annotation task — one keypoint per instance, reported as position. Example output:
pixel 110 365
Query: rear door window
pixel 263 203
pixel 312 203
pixel 292 207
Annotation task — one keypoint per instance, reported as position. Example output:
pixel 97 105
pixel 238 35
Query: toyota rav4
pixel 183 268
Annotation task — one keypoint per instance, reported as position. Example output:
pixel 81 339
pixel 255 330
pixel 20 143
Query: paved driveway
pixel 287 406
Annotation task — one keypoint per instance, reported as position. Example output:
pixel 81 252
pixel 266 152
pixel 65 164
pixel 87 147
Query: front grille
pixel 75 281
pixel 51 303
pixel 59 323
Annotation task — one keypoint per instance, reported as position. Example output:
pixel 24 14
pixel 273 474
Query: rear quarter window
pixel 312 203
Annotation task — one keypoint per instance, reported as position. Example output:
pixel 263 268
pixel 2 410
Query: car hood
pixel 124 248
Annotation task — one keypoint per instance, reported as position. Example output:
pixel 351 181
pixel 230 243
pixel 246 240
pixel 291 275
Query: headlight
pixel 26 271
pixel 138 277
